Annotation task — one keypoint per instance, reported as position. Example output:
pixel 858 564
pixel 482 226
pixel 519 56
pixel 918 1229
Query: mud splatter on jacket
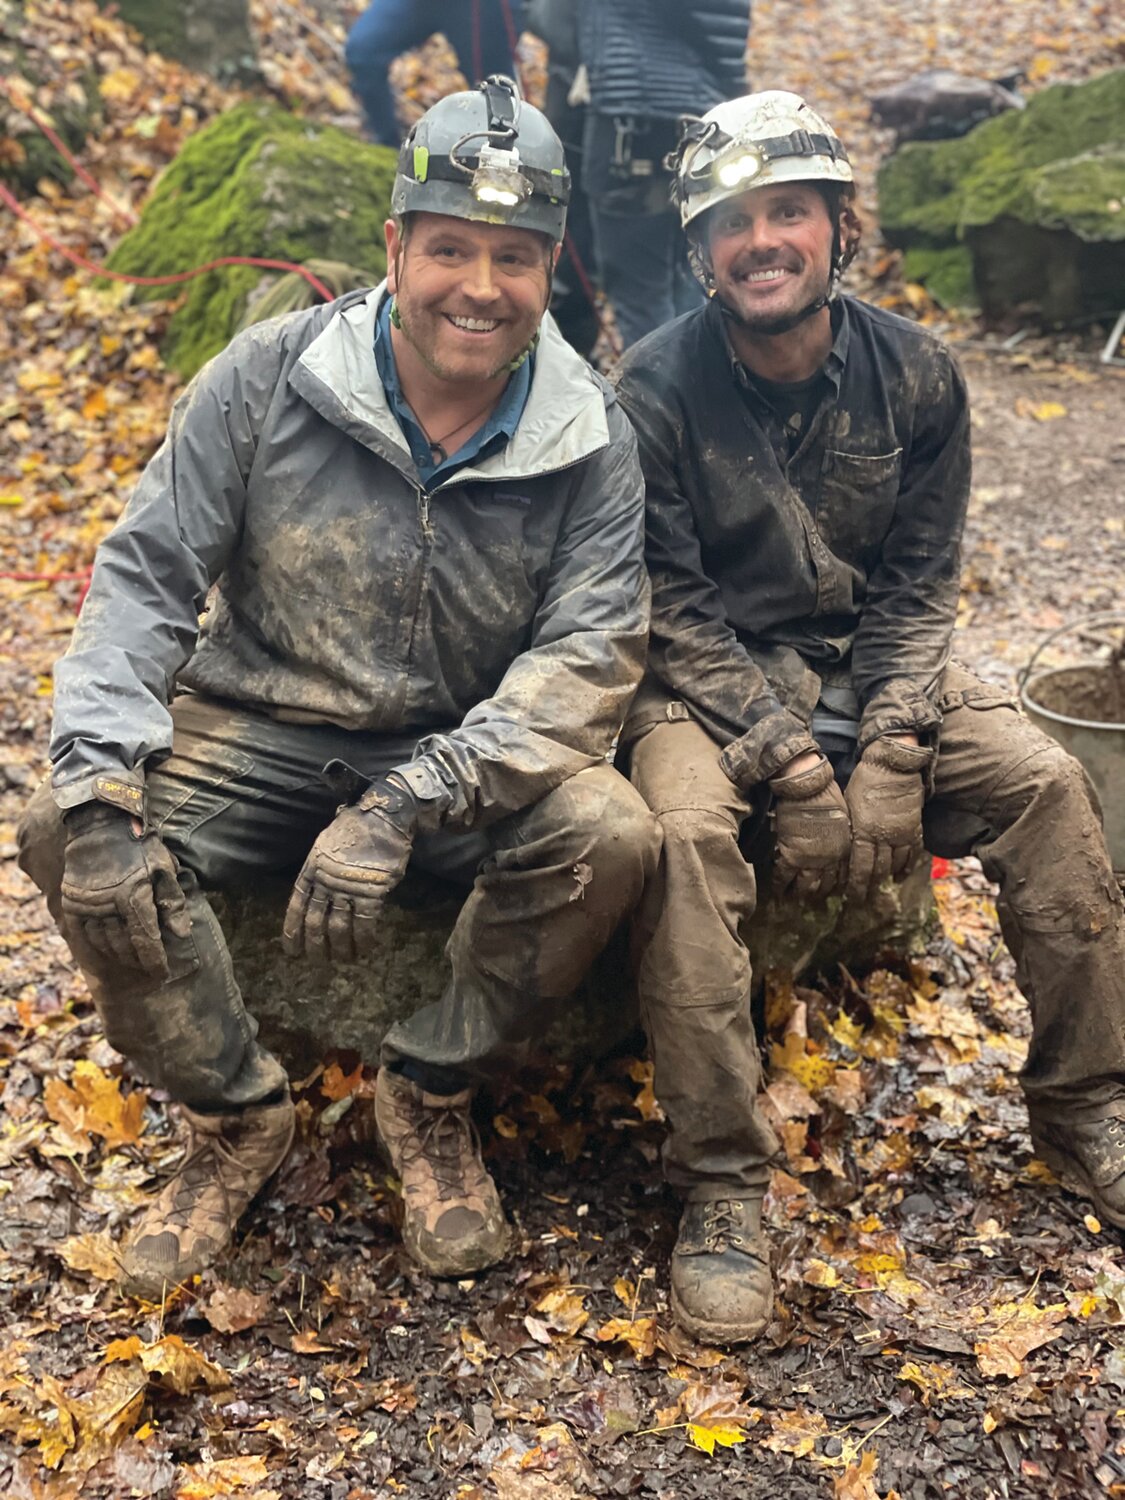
pixel 510 601
pixel 772 573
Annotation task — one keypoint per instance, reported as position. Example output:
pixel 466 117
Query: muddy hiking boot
pixel 453 1224
pixel 1088 1158
pixel 228 1161
pixel 722 1291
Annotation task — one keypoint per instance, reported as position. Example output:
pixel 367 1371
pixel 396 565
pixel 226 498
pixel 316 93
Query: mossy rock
pixel 947 274
pixel 304 1010
pixel 257 181
pixel 210 36
pixel 1041 185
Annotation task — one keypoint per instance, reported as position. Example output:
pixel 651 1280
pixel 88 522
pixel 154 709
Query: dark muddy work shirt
pixel 792 405
pixel 490 438
pixel 783 571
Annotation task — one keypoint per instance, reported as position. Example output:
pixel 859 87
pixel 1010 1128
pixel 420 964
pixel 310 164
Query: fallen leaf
pixel 707 1437
pixel 1020 1328
pixel 563 1311
pixel 638 1333
pixel 95 1253
pixel 336 1084
pixel 215 1480
pixel 232 1309
pixel 181 1368
pixel 857 1482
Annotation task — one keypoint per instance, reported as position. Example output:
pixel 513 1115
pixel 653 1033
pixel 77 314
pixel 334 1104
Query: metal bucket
pixel 1083 708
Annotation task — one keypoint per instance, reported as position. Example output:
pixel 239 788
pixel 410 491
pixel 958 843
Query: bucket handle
pixel 1107 617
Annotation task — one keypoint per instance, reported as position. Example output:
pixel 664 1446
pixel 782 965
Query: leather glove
pixel 885 797
pixel 119 888
pixel 351 870
pixel 812 832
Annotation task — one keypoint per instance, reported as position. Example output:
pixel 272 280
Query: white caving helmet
pixel 751 142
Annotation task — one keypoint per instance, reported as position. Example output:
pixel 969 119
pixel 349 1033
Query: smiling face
pixel 770 252
pixel 470 296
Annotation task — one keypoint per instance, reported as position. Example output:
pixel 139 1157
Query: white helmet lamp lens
pixel 741 165
pixel 498 179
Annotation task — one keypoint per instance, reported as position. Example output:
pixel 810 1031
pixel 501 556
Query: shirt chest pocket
pixel 857 502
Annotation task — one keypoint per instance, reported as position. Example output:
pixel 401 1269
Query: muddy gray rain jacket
pixel 777 575
pixel 503 616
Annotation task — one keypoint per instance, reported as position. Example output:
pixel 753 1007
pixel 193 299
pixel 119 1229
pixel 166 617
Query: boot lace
pixel 722 1223
pixel 443 1140
pixel 208 1160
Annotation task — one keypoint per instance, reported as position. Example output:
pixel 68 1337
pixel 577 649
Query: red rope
pixel 84 576
pixel 509 25
pixel 76 166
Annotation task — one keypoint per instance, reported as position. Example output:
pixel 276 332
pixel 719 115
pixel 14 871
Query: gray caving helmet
pixel 485 155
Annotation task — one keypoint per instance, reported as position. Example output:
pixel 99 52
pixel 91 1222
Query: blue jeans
pixel 640 248
pixel 643 267
pixel 476 29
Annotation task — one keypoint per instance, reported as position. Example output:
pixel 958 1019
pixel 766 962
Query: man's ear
pixel 394 245
pixel 555 253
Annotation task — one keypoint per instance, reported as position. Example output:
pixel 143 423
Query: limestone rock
pixel 1028 208
pixel 257 181
pixel 306 1010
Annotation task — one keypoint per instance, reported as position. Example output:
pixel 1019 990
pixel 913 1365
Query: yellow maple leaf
pixel 180 1367
pixel 92 1103
pixel 793 1056
pixel 857 1482
pixel 707 1437
pixel 638 1333
pixel 207 1481
pixel 95 1253
pixel 846 1031
pixel 564 1311
pixel 123 1349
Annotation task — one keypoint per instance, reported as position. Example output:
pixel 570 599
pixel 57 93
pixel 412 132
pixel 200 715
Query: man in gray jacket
pixel 416 519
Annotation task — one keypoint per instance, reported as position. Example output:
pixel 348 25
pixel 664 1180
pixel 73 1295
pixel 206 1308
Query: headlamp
pixel 499 179
pixel 738 166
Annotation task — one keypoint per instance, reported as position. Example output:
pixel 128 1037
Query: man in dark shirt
pixel 806 460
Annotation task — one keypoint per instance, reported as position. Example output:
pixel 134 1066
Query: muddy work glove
pixel 811 831
pixel 119 888
pixel 885 797
pixel 351 870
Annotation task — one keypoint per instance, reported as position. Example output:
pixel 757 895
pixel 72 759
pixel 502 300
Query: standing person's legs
pixel 1007 793
pixel 386 29
pixel 694 982
pixel 477 30
pixel 557 880
pixel 638 256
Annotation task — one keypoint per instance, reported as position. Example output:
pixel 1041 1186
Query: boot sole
pixel 1074 1180
pixel 705 1331
pixel 481 1257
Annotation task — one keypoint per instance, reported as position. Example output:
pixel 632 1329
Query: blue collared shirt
pixel 488 439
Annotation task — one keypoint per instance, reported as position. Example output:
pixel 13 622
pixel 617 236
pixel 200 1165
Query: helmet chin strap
pixel 791 320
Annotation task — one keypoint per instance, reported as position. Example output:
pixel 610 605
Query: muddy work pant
pixel 242 797
pixel 1004 792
